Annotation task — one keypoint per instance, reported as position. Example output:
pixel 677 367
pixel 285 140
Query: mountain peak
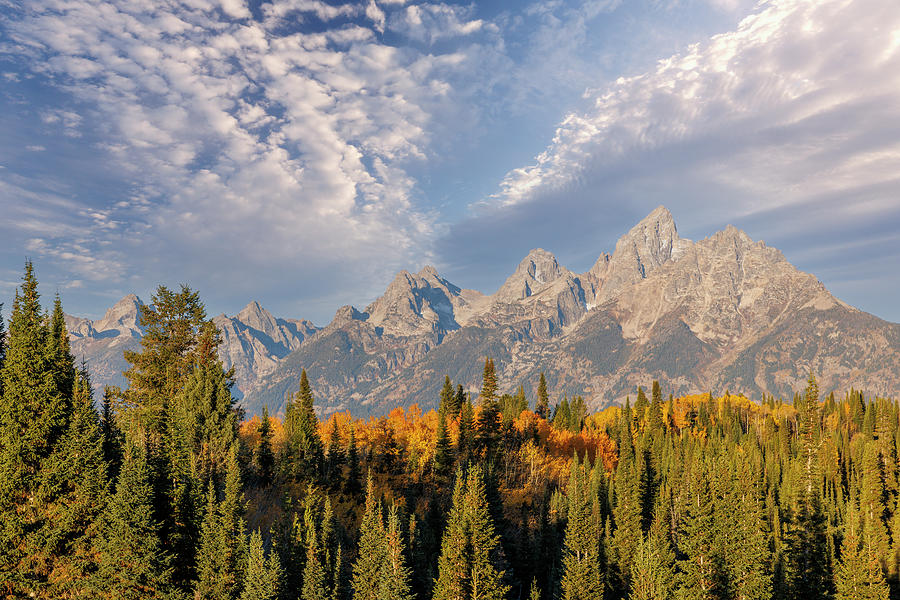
pixel 123 316
pixel 537 269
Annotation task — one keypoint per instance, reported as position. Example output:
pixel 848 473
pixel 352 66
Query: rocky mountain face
pixel 721 313
pixel 253 341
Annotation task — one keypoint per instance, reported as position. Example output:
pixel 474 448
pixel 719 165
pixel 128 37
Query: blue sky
pixel 300 152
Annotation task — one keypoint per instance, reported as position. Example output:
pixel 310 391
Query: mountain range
pixel 722 313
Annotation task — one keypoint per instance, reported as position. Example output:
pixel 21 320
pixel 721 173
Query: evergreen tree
pixel 353 473
pixel 395 575
pixel 485 554
pixel 367 570
pixel 466 438
pixel 700 575
pixel 264 457
pixel 582 576
pixel 453 565
pixel 60 355
pixel 301 429
pixel 113 437
pixel 263 575
pixel 542 405
pixel 871 503
pixel 651 570
pixel 314 575
pixel 486 433
pixel 808 560
pixel 33 416
pixel 443 450
pixel 222 554
pixel 448 398
pixel 335 455
pixel 655 419
pixel 74 489
pixel 132 563
pixel 859 575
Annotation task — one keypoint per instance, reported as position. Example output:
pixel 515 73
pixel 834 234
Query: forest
pixel 166 490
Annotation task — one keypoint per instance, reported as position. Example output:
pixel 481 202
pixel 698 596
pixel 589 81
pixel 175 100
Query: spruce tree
pixel 132 563
pixel 263 575
pixel 74 489
pixel 542 405
pixel 264 457
pixel 808 561
pixel 335 455
pixel 33 416
pixel 443 450
pixel 301 429
pixel 395 575
pixel 453 565
pixel 353 473
pixel 859 575
pixel 651 571
pixel 582 575
pixel 486 432
pixel 314 575
pixel 448 398
pixel 655 419
pixel 60 354
pixel 485 555
pixel 700 575
pixel 466 439
pixel 367 570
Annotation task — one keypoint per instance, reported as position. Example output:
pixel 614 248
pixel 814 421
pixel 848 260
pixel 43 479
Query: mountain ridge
pixel 696 315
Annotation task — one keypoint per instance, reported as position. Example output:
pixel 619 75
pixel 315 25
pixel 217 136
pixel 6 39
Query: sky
pixel 301 152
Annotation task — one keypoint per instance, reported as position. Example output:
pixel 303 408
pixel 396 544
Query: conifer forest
pixel 166 489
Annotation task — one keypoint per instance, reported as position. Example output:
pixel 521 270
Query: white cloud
pixel 790 106
pixel 245 141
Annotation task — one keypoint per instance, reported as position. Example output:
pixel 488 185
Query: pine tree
pixel 2 348
pixel 222 554
pixel 264 457
pixel 367 570
pixel 582 576
pixel 542 406
pixel 113 437
pixel 486 433
pixel 301 428
pixel 60 355
pixel 443 450
pixel 448 398
pixel 453 565
pixel 263 575
pixel 485 555
pixel 395 575
pixel 132 563
pixel 700 571
pixel 314 584
pixel 466 440
pixel 808 561
pixel 859 575
pixel 335 455
pixel 353 474
pixel 74 489
pixel 871 503
pixel 33 417
pixel 655 419
pixel 651 570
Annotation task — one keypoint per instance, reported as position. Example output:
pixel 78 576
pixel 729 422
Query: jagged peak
pixel 428 271
pixel 348 313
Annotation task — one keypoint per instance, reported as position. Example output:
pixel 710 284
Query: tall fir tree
pixel 859 575
pixel 486 575
pixel 132 562
pixel 395 574
pixel 353 473
pixel 542 404
pixel 264 457
pixel 75 490
pixel 367 570
pixel 443 450
pixel 263 575
pixel 447 403
pixel 809 569
pixel 34 415
pixel 453 565
pixel 304 449
pixel 487 430
pixel 582 572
